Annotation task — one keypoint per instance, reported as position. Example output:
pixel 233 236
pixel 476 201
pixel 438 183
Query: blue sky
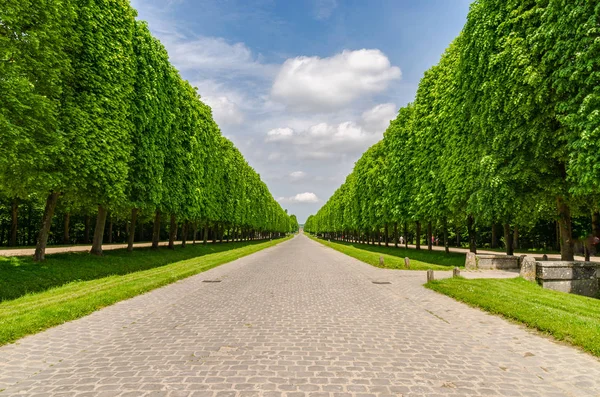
pixel 304 87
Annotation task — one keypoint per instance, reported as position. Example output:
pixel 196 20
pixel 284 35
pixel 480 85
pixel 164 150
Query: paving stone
pixel 298 319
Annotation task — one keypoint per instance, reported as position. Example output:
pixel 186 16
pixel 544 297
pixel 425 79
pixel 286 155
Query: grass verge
pixel 393 258
pixel 36 312
pixel 21 275
pixel 571 318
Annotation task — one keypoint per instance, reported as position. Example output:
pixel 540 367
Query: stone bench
pixel 491 262
pixel 579 278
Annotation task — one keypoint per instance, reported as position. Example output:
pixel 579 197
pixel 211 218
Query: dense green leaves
pixel 504 130
pixel 92 113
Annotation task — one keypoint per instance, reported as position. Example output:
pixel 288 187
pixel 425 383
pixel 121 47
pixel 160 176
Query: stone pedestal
pixel 574 277
pixel 491 262
pixel 528 267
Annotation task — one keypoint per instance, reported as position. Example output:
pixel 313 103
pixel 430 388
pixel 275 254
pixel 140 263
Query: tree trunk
pixel 494 242
pixel 418 235
pixel 141 232
pixel 109 240
pixel 429 236
pixel 40 249
pixel 14 224
pixel 184 230
pixel 472 234
pixel 86 230
pixel 457 236
pixel 172 232
pixel 66 238
pixel 446 244
pixel 221 229
pixel 508 238
pixel 516 237
pixel 131 236
pixel 205 238
pixel 566 234
pixel 30 231
pixel 406 235
pixel 195 235
pixel 396 234
pixel 99 231
pixel 387 237
pixel 596 224
pixel 156 230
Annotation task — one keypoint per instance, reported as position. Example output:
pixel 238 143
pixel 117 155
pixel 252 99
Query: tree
pixel 99 105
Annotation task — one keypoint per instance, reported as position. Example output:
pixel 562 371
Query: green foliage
pixel 99 102
pixel 503 130
pixel 35 40
pixel 92 109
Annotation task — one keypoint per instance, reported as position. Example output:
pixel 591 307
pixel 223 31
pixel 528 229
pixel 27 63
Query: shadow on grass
pixel 453 259
pixel 21 275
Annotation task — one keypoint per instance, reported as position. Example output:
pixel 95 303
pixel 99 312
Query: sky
pixel 304 87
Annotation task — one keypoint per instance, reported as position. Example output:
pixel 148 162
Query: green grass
pixel 393 258
pixel 21 275
pixel 571 318
pixel 104 281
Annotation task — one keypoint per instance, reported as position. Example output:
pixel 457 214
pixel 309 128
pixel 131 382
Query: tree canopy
pixel 503 130
pixel 95 119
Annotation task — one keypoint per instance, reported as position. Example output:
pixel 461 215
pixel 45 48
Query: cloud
pixel 215 54
pixel 297 176
pixel 301 198
pixel 275 156
pixel 324 9
pixel 224 110
pixel 326 142
pixel 317 84
pixel 378 118
pixel 279 134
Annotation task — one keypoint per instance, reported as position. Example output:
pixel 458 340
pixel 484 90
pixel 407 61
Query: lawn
pixel 70 286
pixel 393 258
pixel 571 318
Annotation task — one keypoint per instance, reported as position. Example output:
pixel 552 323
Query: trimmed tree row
pixel 504 133
pixel 94 119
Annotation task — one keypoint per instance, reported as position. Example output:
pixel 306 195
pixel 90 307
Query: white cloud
pixel 306 197
pixel 297 176
pixel 316 84
pixel 279 134
pixel 224 110
pixel 324 8
pixel 275 156
pixel 215 54
pixel 378 118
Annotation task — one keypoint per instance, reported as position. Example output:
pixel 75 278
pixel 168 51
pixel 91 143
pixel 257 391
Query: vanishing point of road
pixel 294 320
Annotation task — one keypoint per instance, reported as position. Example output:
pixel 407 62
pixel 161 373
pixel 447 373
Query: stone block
pixel 491 262
pixel 528 268
pixel 574 277
pixel 430 275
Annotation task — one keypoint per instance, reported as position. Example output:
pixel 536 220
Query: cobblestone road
pixel 298 319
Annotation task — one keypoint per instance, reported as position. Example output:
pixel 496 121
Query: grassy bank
pixel 571 318
pixel 79 283
pixel 393 258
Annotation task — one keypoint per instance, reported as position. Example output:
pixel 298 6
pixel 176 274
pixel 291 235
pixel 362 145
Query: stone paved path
pixel 298 319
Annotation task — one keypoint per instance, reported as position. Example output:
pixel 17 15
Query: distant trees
pixel 94 120
pixel 503 131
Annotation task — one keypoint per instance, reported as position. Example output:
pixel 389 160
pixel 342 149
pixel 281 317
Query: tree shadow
pixel 21 275
pixel 453 259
